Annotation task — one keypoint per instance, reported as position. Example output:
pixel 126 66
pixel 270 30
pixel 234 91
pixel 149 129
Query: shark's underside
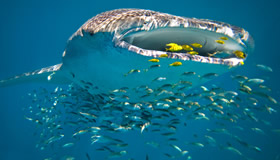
pixel 114 49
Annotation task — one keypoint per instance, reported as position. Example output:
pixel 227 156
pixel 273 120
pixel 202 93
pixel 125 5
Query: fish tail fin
pixel 51 74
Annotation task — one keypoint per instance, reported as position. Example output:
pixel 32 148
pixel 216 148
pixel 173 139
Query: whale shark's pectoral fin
pixel 51 74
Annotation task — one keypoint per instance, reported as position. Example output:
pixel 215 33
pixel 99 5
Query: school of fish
pixel 67 114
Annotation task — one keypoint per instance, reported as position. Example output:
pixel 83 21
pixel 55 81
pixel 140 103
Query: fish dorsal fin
pixel 51 74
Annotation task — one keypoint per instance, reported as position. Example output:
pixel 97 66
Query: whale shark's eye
pixel 182 40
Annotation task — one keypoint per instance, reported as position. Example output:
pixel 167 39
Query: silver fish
pixel 255 81
pixel 264 67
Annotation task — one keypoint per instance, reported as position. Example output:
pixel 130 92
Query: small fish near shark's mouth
pixel 194 44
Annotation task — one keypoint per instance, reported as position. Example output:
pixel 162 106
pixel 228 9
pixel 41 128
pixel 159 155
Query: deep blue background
pixel 33 35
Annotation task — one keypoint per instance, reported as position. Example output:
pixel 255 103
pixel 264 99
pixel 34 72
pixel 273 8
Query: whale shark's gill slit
pixel 157 39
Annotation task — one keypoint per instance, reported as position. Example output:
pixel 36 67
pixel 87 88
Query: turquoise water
pixel 34 34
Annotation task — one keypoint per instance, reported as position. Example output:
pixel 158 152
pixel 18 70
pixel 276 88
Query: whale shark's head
pixel 147 33
pixel 130 48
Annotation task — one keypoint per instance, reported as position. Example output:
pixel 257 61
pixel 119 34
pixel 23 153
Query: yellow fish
pixel 171 44
pixel 163 55
pixel 174 47
pixel 239 54
pixel 176 64
pixel 193 52
pixel 187 48
pixel 196 45
pixel 223 38
pixel 242 63
pixel 154 60
pixel 220 41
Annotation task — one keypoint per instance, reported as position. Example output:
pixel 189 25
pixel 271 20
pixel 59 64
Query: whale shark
pixel 128 48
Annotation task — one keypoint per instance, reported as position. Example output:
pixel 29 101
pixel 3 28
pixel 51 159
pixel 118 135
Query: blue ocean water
pixel 34 34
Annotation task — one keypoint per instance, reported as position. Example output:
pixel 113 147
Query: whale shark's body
pixel 112 51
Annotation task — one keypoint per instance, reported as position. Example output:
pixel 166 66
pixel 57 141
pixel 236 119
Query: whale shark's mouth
pixel 207 46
